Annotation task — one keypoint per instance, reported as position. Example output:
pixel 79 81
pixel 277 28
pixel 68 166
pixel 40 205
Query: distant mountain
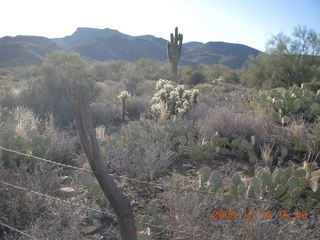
pixel 229 54
pixel 24 50
pixel 109 44
pixel 84 35
pixel 192 44
pixel 119 48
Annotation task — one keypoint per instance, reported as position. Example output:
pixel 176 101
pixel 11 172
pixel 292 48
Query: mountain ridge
pixel 110 44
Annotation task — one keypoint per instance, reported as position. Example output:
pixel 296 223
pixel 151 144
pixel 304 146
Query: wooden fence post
pixel 119 202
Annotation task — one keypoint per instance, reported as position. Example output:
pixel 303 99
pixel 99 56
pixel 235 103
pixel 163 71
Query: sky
pixel 249 22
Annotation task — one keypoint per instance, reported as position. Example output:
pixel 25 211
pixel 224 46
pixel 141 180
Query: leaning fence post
pixel 119 202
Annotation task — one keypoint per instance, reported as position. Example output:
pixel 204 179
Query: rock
pixel 87 230
pixel 187 165
pixel 144 237
pixel 66 180
pixel 65 192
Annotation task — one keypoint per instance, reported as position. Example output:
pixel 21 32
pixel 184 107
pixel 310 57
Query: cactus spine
pixel 174 50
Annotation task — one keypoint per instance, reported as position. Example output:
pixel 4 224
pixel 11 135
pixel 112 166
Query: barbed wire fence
pixel 124 178
pixel 18 231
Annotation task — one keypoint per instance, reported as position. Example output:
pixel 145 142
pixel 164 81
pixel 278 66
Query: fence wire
pixel 159 185
pixel 57 199
pixel 18 231
pixel 121 178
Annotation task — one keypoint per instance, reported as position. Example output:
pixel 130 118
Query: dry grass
pixel 229 122
pixel 193 218
pixel 267 155
pixel 25 121
pixel 33 214
pixel 141 156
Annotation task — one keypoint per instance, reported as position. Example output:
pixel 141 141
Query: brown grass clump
pixel 229 122
pixel 34 214
pixel 193 219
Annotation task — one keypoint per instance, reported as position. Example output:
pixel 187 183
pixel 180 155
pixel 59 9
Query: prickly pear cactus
pixel 209 181
pixel 290 185
pixel 286 103
pixel 150 221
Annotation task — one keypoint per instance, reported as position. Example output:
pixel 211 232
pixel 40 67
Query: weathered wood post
pixel 119 202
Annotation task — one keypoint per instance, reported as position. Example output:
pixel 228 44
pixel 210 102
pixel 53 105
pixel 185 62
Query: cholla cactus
pixel 123 97
pixel 175 98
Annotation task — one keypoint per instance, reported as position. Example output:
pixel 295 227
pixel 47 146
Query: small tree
pixel 295 60
pixel 287 61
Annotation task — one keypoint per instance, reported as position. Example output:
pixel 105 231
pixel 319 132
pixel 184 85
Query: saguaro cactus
pixel 174 50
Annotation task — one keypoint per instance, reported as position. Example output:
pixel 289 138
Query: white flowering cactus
pixel 177 99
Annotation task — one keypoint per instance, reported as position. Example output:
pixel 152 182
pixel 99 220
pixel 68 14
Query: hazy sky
pixel 250 22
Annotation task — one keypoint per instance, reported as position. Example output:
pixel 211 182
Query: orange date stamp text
pixel 245 214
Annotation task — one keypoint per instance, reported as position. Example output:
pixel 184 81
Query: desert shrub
pixel 24 132
pixel 10 97
pixel 298 135
pixel 137 106
pixel 230 123
pixel 314 140
pixel 194 77
pixel 110 70
pixel 223 130
pixel 194 218
pixel 313 86
pixel 106 109
pixel 107 114
pixel 48 92
pixel 31 213
pixel 198 113
pixel 231 77
pixel 131 80
pixel 145 88
pixel 204 88
pixel 216 70
pixel 143 149
pixel 300 140
pixel 229 94
pixel 148 69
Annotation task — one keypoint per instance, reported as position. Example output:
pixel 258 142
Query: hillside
pixel 84 35
pixel 109 44
pixel 121 48
pixel 229 54
pixel 24 50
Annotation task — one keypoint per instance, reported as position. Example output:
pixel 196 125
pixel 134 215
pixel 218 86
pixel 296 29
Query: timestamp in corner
pixel 267 214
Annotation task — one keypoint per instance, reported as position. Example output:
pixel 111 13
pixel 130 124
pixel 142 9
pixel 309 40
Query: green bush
pixel 48 92
pixel 195 77
pixel 143 149
pixel 231 77
pixel 24 132
pixel 312 86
